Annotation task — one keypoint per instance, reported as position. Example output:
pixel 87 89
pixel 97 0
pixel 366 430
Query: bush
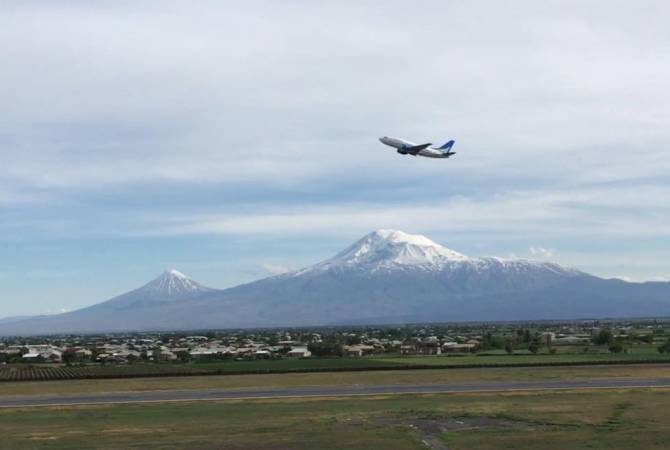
pixel 603 337
pixel 326 348
pixel 508 347
pixel 616 347
pixel 535 345
pixel 664 348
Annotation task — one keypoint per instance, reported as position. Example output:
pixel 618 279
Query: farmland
pixel 45 372
pixel 351 378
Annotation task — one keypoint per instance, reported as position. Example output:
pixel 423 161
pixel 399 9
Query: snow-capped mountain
pixel 389 250
pixel 173 283
pixel 139 309
pixel 170 286
pixel 395 252
pixel 388 276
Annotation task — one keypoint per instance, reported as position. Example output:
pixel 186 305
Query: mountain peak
pixel 385 248
pixel 173 282
pixel 174 273
pixel 399 237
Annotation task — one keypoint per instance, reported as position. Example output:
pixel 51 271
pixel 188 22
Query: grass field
pixel 335 379
pixel 24 372
pixel 621 419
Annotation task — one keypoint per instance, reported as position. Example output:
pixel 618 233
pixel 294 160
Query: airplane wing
pixel 417 148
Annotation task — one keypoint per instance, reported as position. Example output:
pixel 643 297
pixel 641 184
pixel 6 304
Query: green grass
pixel 621 419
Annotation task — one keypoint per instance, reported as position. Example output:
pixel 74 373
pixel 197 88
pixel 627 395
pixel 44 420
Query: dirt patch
pixel 430 429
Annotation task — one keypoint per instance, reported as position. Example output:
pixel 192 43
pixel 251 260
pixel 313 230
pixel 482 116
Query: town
pixel 614 337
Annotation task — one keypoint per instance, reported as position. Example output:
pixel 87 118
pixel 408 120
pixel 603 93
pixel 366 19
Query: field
pixel 36 372
pixel 282 380
pixel 622 419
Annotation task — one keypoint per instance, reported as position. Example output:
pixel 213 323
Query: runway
pixel 325 391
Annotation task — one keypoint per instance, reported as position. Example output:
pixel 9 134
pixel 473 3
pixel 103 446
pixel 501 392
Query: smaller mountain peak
pixel 173 282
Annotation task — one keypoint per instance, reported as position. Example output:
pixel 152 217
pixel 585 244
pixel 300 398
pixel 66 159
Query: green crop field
pixel 621 419
pixel 44 372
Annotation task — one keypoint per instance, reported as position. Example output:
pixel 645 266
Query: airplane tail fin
pixel 447 146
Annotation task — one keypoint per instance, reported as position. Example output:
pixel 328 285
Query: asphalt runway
pixel 306 392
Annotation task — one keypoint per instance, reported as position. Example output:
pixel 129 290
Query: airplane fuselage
pixel 402 146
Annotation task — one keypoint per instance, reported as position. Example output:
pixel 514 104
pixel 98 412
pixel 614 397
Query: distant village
pixel 161 347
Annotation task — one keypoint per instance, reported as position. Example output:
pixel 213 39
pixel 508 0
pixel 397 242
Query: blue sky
pixel 233 141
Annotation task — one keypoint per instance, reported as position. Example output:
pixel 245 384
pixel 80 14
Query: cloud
pixel 183 97
pixel 612 211
pixel 541 252
pixel 277 269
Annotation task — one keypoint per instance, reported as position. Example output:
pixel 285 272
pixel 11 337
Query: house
pixel 262 354
pixel 40 354
pixel 358 350
pixel 408 350
pixel 572 340
pixel 451 347
pixel 299 352
pixel 83 353
pixel 287 344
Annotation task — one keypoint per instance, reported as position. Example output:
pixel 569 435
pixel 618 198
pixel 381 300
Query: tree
pixel 664 348
pixel 646 338
pixel 184 356
pixel 615 346
pixel 535 344
pixel 547 338
pixel 509 348
pixel 353 339
pixel 69 356
pixel 604 337
pixel 328 347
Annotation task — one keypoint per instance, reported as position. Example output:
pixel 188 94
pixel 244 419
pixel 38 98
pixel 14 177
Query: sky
pixel 235 140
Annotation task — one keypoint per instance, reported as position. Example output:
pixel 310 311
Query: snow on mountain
pixel 388 249
pixel 173 283
pixel 394 250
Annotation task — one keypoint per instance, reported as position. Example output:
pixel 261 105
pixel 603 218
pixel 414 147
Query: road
pixel 325 391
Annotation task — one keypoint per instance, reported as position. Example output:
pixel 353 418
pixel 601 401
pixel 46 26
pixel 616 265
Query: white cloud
pixel 277 269
pixel 541 252
pixel 600 211
pixel 213 94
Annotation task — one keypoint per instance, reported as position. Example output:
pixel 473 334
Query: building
pixel 299 352
pixel 358 350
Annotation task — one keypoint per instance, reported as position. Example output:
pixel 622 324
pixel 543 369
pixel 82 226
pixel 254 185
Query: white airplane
pixel 410 148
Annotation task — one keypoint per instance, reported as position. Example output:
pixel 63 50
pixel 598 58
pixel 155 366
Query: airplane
pixel 409 148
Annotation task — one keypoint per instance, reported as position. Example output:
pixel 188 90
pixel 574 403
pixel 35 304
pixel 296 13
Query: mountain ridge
pixel 387 273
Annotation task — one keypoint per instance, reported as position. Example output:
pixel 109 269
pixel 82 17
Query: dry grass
pixel 332 379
